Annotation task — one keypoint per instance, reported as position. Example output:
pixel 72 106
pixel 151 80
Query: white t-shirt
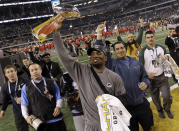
pixel 150 55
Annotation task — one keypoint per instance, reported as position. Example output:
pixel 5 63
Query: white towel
pixel 113 115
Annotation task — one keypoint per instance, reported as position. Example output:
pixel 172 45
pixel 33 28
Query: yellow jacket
pixel 134 52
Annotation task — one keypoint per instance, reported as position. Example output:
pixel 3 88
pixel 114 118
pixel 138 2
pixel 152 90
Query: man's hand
pixel 151 75
pixel 58 27
pixel 55 79
pixel 141 22
pixel 165 57
pixel 2 114
pixel 100 28
pixel 58 23
pixel 30 119
pixel 56 111
pixel 18 100
pixel 143 86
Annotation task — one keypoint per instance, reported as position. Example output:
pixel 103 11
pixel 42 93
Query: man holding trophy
pixel 84 76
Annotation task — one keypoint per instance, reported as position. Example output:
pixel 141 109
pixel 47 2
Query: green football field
pixel 7 123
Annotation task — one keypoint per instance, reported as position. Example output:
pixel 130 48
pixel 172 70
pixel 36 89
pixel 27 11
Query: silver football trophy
pixel 63 11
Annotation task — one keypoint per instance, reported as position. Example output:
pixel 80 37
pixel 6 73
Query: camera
pixel 70 93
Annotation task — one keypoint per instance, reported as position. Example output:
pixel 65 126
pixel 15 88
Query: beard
pixel 97 65
pixel 130 43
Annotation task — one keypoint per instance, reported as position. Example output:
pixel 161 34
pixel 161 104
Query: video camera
pixel 70 93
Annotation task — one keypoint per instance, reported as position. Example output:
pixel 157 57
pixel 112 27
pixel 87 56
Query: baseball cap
pixel 96 48
pixel 45 54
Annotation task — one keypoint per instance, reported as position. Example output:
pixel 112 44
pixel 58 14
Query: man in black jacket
pixel 24 73
pixel 12 91
pixel 50 69
pixel 169 41
pixel 41 98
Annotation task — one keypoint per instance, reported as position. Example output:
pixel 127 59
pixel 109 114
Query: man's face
pixel 37 55
pixel 171 32
pixel 11 74
pixel 35 71
pixel 26 62
pixel 120 51
pixel 98 59
pixel 46 59
pixel 149 38
pixel 130 38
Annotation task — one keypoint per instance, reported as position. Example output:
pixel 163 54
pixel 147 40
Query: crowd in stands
pixel 13 1
pixel 23 11
pixel 22 32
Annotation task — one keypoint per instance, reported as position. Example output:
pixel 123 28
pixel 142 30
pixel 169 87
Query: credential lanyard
pixel 49 70
pixel 9 87
pixel 45 86
pixel 155 54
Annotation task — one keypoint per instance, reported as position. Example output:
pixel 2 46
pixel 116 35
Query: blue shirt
pixel 25 102
pixel 126 61
pixel 132 73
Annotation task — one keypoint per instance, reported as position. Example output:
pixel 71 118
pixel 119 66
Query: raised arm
pixel 74 68
pixel 140 33
pixel 100 29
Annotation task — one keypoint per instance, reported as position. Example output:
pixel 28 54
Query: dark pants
pixel 141 114
pixel 21 123
pixel 160 84
pixel 175 56
pixel 56 126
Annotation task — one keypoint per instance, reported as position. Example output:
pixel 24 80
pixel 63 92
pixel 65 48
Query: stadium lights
pixel 24 3
pixel 28 18
pixel 85 3
pixel 89 2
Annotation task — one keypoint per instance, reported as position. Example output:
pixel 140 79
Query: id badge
pixel 154 62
